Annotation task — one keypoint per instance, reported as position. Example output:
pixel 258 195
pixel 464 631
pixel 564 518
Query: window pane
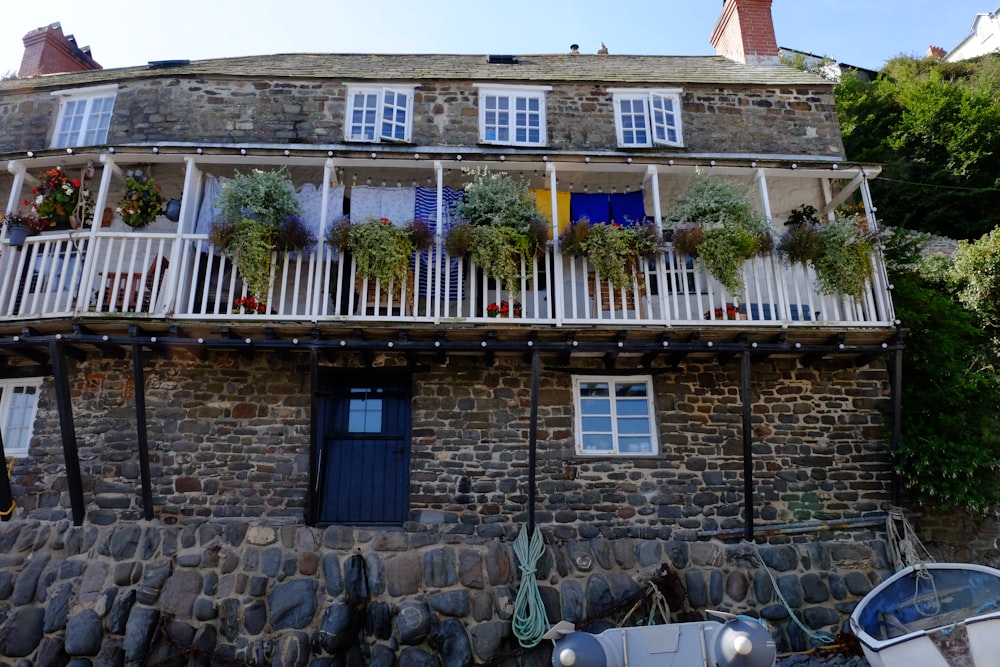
pixel 595 406
pixel 633 445
pixel 602 424
pixel 597 442
pixel 593 388
pixel 632 408
pixel 365 411
pixel 630 389
pixel 19 422
pixel 633 426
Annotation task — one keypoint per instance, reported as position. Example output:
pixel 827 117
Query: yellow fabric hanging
pixel 543 199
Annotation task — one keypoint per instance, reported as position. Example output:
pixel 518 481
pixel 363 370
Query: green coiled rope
pixel 530 622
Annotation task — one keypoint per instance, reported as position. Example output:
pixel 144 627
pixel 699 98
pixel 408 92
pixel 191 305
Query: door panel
pixel 364 449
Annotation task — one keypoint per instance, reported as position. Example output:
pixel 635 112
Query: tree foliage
pixel 949 452
pixel 936 129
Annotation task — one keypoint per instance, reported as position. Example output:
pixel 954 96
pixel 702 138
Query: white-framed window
pixel 378 113
pixel 18 404
pixel 512 115
pixel 615 415
pixel 645 118
pixel 84 116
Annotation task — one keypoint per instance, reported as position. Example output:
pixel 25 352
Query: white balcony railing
pixel 137 275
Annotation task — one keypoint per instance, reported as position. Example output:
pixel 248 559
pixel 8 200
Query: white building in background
pixel 984 37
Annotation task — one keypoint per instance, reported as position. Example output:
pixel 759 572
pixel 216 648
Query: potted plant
pixel 501 227
pixel 732 230
pixel 142 200
pixel 844 263
pixel 258 216
pixel 61 201
pixel 22 225
pixel 802 242
pixel 381 250
pixel 614 250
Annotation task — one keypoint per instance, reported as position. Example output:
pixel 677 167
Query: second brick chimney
pixel 745 33
pixel 48 51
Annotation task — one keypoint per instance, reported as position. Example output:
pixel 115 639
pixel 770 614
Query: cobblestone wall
pixel 291 596
pixel 229 437
pixel 754 121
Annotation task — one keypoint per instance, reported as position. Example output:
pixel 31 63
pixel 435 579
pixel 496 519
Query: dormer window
pixel 84 116
pixel 379 113
pixel 645 118
pixel 512 115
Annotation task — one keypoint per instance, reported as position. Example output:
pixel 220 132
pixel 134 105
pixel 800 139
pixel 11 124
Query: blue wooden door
pixel 364 449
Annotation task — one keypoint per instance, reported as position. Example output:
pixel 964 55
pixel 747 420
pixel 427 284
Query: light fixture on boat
pixel 69 150
pixel 111 149
pixel 243 151
pixel 416 156
pixel 628 160
pixel 287 152
pixel 374 155
pixel 199 151
pixel 587 159
pixel 156 150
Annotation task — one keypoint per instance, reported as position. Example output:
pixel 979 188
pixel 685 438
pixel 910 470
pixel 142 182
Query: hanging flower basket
pixel 142 201
pixel 22 225
pixel 61 201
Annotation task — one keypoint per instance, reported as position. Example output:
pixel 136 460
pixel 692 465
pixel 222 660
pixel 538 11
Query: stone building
pixel 341 480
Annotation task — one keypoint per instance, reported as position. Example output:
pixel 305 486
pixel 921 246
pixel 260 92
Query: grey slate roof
pixel 606 69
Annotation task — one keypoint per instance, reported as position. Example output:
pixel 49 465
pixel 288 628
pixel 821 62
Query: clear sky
pixel 122 33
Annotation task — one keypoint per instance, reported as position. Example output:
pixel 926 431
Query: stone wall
pixel 230 437
pixel 293 596
pixel 580 117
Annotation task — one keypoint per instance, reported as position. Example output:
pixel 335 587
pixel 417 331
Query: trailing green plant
pixel 686 239
pixel 501 226
pixel 255 220
pixel 844 264
pixel 381 250
pixel 732 230
pixel 495 198
pixel 613 250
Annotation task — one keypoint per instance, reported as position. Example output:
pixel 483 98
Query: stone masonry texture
pixel 245 594
pixel 580 116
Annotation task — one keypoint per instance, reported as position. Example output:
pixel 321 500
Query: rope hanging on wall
pixel 530 622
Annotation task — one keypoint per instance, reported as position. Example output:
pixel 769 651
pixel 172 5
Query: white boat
pixel 932 615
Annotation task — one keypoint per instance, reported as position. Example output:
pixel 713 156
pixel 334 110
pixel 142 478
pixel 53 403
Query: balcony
pixel 101 274
pixel 183 277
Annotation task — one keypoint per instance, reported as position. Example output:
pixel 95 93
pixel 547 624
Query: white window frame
pixel 8 395
pixel 657 118
pixel 93 126
pixel 615 404
pixel 386 99
pixel 512 95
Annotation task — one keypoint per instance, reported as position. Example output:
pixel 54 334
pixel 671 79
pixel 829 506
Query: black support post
pixel 897 420
pixel 312 497
pixel 747 399
pixel 71 454
pixel 145 478
pixel 533 437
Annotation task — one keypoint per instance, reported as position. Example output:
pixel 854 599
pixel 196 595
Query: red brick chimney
pixel 48 51
pixel 745 33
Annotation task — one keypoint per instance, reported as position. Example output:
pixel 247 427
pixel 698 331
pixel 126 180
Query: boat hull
pixel 932 615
